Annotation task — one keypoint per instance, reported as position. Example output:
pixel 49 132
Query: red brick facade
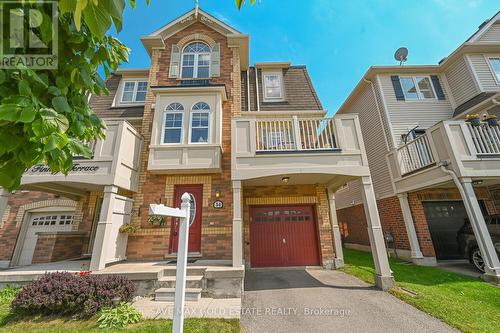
pixel 353 220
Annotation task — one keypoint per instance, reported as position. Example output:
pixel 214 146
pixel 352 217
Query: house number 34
pixel 218 204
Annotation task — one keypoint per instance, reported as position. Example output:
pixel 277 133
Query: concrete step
pixel 192 281
pixel 191 270
pixel 168 294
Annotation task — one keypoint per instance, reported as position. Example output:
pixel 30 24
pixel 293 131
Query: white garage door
pixel 43 222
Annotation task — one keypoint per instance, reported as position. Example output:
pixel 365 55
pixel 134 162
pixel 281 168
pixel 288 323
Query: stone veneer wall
pixel 152 242
pixel 291 194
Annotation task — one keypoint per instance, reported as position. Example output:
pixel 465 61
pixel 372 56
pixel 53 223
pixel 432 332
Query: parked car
pixel 467 242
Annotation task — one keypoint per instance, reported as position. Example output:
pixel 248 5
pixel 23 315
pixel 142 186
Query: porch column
pixel 237 225
pixel 491 262
pixel 416 254
pixel 383 274
pixel 102 234
pixel 4 199
pixel 337 239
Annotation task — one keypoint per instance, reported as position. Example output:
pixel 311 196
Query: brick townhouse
pixel 436 175
pixel 251 145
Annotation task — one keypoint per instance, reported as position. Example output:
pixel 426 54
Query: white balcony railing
pixel 486 138
pixel 295 134
pixel 415 155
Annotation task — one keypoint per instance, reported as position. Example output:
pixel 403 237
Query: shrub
pixel 119 316
pixel 8 294
pixel 68 294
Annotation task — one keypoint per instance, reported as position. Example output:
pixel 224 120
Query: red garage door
pixel 283 236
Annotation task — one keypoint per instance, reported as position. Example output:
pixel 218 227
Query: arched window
pixel 200 123
pixel 196 61
pixel 173 123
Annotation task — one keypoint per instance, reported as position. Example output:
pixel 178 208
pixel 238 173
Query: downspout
pixel 248 90
pixel 454 176
pixel 378 109
pixel 257 88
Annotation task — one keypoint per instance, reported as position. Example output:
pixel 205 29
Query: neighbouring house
pixel 432 170
pixel 251 144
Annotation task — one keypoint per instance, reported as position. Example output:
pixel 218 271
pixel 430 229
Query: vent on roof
pixel 483 24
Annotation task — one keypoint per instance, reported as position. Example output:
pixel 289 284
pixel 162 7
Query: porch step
pixel 192 281
pixel 168 294
pixel 190 270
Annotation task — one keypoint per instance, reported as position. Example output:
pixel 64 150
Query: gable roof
pixel 155 40
pixel 191 17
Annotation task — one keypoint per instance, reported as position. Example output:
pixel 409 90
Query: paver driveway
pixel 316 300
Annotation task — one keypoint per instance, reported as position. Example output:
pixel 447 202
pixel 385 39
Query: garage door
pixel 445 218
pixel 283 236
pixel 43 222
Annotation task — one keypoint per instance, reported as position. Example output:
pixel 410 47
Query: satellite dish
pixel 401 55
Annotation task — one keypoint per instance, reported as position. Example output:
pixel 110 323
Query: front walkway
pixel 316 300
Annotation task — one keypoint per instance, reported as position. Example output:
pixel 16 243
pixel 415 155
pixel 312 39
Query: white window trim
pixel 163 128
pixel 195 66
pixel 419 94
pixel 489 58
pixel 134 94
pixel 209 112
pixel 264 90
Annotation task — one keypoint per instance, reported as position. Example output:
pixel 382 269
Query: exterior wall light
pixel 285 180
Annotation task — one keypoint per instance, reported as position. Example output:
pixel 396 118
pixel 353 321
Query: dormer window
pixel 196 61
pixel 273 87
pixel 134 91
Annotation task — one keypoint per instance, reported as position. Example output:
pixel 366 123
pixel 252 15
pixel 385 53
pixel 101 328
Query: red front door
pixel 194 242
pixel 283 236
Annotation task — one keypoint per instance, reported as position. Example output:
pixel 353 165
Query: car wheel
pixel 476 258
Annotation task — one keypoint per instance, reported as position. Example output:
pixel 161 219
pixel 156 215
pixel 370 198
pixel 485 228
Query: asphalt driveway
pixel 316 300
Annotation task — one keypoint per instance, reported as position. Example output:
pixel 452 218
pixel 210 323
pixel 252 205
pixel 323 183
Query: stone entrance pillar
pixel 337 239
pixel 491 262
pixel 416 254
pixel 237 225
pixel 103 231
pixel 383 274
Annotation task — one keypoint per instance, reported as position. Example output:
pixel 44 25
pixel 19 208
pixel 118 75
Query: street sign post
pixel 182 252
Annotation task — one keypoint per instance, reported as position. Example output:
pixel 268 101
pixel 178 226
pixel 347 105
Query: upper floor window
pixel 196 61
pixel 495 67
pixel 417 87
pixel 273 89
pixel 134 91
pixel 173 123
pixel 200 123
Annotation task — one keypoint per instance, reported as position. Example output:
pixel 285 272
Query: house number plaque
pixel 218 204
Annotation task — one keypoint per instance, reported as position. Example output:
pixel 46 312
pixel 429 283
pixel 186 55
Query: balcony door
pixel 194 241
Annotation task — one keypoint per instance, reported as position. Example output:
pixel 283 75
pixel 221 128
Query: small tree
pixel 44 114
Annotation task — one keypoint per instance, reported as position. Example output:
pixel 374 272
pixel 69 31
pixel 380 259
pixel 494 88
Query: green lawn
pixel 8 323
pixel 466 303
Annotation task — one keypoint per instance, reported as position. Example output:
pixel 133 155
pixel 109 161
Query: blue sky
pixel 337 40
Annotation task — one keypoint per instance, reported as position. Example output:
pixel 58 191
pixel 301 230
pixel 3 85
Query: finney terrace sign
pixel 77 168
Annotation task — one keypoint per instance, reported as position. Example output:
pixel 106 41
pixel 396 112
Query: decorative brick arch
pixel 196 37
pixel 41 204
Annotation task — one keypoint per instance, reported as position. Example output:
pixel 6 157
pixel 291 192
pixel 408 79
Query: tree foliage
pixel 240 3
pixel 45 116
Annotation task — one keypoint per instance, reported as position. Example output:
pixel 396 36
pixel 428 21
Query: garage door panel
pixel 283 236
pixel 43 222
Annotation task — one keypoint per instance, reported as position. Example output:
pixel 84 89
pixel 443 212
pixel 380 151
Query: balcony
pixel 470 151
pixel 115 161
pixel 267 145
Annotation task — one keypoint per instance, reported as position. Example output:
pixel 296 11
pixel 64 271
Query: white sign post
pixel 182 251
